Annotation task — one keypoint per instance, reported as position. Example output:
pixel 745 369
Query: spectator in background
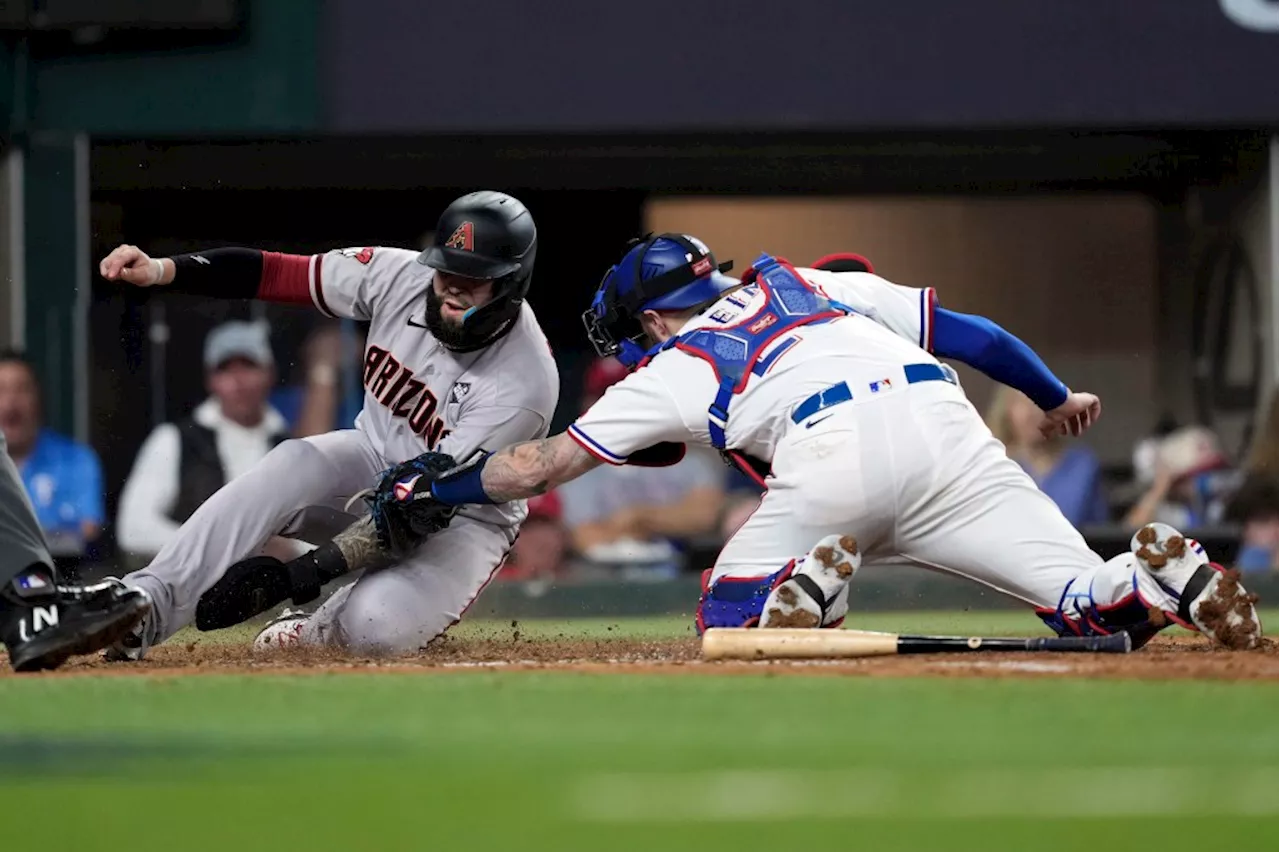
pixel 1192 479
pixel 1256 507
pixel 640 516
pixel 1069 473
pixel 1256 504
pixel 539 550
pixel 62 477
pixel 1264 455
pixel 1146 452
pixel 182 464
pixel 323 402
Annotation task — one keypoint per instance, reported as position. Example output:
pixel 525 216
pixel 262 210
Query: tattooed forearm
pixel 535 467
pixel 359 546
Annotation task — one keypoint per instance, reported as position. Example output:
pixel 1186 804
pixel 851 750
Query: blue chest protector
pixel 747 346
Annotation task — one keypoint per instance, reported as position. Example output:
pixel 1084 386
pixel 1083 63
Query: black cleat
pixel 42 623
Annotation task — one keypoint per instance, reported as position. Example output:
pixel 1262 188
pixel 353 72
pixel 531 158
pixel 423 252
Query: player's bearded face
pixel 448 301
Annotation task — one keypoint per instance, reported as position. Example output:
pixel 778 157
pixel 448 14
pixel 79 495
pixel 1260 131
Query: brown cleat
pixel 803 599
pixel 1213 600
pixel 1226 613
pixel 828 557
pixel 796 618
pixel 1154 553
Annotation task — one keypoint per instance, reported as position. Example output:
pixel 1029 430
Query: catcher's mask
pixel 666 272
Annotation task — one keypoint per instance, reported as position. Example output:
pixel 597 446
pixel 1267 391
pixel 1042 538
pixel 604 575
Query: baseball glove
pixel 403 510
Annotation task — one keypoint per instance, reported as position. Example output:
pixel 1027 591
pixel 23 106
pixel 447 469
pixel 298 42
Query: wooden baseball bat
pixel 738 643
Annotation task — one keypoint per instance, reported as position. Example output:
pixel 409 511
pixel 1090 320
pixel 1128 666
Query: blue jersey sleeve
pixel 988 348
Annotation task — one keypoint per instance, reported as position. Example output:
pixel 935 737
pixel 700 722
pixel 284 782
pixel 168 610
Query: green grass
pixel 569 761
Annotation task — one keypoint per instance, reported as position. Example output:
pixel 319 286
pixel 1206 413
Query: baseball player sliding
pixel 828 381
pixel 455 360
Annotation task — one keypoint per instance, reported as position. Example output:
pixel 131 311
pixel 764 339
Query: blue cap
pixel 237 339
pixel 684 259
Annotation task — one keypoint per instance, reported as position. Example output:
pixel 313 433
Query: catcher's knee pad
pixel 739 601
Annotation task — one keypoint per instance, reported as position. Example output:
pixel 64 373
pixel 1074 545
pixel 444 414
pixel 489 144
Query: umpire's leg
pixel 22 543
pixel 324 470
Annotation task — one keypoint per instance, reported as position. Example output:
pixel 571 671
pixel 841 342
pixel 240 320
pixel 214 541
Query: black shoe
pixel 42 623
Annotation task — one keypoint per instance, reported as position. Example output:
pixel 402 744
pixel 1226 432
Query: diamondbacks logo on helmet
pixel 462 238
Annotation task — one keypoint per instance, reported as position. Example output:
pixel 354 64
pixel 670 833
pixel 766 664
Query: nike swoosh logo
pixel 416 324
pixel 813 423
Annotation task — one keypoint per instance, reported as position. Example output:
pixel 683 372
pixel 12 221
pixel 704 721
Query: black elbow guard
pixel 226 273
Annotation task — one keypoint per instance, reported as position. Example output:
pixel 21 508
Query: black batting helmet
pixel 487 234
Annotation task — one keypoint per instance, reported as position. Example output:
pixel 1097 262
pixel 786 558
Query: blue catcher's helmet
pixel 669 272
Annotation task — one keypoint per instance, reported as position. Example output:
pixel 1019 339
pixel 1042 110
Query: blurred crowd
pixel 632 522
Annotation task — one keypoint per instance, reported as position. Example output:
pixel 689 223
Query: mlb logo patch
pixel 32 582
pixel 882 385
pixel 404 489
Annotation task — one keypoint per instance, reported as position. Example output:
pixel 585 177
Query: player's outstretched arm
pixel 990 349
pixel 515 473
pixel 227 273
pixel 519 471
pixel 1076 414
pixel 132 265
pixel 534 467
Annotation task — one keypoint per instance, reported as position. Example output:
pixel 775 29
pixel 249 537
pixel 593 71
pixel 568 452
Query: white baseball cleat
pixel 283 631
pixel 805 599
pixel 1208 596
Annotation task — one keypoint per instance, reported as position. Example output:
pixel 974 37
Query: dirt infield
pixel 1166 658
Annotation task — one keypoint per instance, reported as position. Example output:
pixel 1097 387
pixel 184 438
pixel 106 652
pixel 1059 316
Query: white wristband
pixel 158 275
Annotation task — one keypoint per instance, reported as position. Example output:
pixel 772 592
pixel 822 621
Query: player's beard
pixel 452 335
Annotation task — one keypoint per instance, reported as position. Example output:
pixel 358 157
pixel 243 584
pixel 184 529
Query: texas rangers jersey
pixel 667 399
pixel 420 395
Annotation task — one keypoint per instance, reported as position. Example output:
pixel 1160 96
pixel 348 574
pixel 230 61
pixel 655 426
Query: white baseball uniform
pixel 419 396
pixel 907 467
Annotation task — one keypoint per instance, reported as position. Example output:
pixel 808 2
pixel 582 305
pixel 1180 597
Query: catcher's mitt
pixel 403 510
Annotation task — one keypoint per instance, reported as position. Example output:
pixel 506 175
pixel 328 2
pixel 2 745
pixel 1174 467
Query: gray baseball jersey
pixel 421 396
